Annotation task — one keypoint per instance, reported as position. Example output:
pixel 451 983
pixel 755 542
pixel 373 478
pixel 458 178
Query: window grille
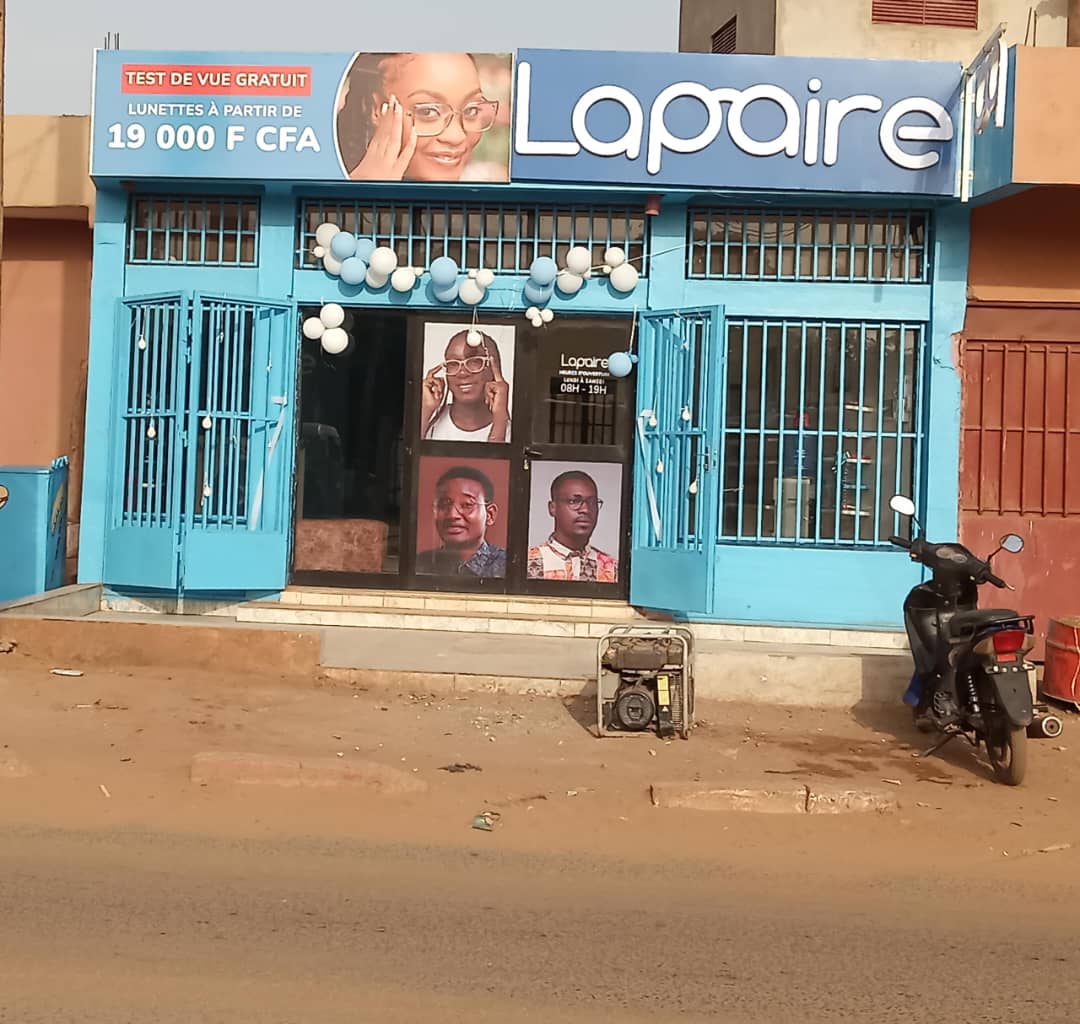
pixel 822 425
pixel 764 244
pixel 502 238
pixel 723 39
pixel 947 13
pixel 193 230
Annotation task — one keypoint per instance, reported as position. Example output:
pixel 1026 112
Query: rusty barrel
pixel 1061 672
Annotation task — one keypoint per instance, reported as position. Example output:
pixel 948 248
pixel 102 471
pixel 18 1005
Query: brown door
pixel 1020 470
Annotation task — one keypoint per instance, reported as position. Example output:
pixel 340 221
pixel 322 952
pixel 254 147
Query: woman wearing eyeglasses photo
pixel 465 397
pixel 420 117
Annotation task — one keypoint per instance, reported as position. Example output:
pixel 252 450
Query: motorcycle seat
pixel 966 623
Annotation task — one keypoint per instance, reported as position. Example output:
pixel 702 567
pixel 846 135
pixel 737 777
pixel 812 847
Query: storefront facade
pixel 1020 347
pixel 799 265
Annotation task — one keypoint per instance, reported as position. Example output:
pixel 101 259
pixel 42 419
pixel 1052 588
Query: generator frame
pixel 684 638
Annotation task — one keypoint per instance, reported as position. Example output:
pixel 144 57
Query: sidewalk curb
pixel 790 799
pixel 319 772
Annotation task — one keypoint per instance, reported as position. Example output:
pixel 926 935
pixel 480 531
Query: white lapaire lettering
pixel 789 141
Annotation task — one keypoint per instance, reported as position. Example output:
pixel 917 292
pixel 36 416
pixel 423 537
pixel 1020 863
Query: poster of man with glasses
pixel 467 388
pixel 574 513
pixel 460 523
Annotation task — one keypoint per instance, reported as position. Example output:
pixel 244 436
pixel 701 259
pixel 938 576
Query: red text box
pixel 215 79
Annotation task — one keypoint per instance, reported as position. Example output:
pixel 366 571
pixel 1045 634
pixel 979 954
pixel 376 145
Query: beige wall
pixel 842 28
pixel 45 297
pixel 1010 262
pixel 755 30
pixel 1046 143
pixel 46 164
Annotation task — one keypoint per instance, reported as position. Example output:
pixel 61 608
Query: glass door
pixel 572 461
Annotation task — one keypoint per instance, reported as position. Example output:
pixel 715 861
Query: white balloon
pixel 474 339
pixel 318 252
pixel 578 260
pixel 314 328
pixel 614 257
pixel 537 321
pixel 332 315
pixel 532 312
pixel 383 261
pixel 335 341
pixel 485 278
pixel 324 234
pixel 473 273
pixel 332 264
pixel 546 315
pixel 375 280
pixel 569 283
pixel 470 292
pixel 624 278
pixel 403 279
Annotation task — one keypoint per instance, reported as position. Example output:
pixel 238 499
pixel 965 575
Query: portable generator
pixel 645 681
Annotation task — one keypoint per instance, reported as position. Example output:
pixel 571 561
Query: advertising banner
pixel 302 117
pixel 737 122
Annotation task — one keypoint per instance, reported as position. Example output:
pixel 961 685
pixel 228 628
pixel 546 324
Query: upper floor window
pixel 503 237
pixel 949 13
pixel 723 39
pixel 214 231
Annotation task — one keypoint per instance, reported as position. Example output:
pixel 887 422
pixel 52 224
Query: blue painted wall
pixel 753 584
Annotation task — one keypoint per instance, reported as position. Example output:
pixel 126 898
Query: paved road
pixel 133 927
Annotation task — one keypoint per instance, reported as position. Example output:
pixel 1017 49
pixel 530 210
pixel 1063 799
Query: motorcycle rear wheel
pixel 1006 746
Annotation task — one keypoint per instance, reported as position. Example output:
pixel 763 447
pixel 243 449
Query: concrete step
pixel 554 621
pixel 563 667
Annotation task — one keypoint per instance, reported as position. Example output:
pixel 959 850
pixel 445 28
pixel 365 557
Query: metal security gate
pixel 677 479
pixel 201 467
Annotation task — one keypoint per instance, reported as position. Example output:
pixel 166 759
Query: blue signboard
pixel 737 122
pixel 302 117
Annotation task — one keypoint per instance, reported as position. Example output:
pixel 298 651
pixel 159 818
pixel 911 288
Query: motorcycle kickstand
pixel 938 746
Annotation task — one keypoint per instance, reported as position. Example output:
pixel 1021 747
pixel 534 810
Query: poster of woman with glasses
pixel 574 514
pixel 467 389
pixel 425 117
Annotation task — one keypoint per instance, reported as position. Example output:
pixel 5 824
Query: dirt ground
pixel 113 748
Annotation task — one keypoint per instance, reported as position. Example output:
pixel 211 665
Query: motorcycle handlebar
pixel 900 543
pixel 996 580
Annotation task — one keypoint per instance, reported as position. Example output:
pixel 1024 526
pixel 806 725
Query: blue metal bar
pixel 761 428
pixel 823 340
pixel 782 417
pixel 877 537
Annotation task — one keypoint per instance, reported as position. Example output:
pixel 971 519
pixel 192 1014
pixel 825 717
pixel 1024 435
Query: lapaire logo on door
pixel 737 121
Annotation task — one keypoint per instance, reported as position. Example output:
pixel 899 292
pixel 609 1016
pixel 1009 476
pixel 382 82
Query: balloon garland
pixel 358 261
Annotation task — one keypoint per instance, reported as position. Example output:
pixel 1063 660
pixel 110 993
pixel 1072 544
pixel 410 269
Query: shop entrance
pixel 439 454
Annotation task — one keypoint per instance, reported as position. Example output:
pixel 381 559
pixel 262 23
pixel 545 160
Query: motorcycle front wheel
pixel 1006 746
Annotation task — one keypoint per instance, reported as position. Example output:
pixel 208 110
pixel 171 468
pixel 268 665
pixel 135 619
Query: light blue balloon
pixel 620 364
pixel 353 270
pixel 344 245
pixel 543 271
pixel 364 248
pixel 536 294
pixel 448 294
pixel 444 273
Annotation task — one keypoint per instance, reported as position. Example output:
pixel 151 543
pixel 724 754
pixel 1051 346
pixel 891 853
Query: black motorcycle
pixel 971 677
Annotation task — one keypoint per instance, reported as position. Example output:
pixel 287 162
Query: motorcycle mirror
pixel 902 506
pixel 1013 543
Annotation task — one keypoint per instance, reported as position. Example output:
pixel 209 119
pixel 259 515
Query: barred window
pixel 211 231
pixel 822 425
pixel 503 238
pixel 764 244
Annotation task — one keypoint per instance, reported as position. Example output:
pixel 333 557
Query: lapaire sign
pixel 737 122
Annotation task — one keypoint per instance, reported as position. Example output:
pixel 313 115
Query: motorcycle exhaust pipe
pixel 1047 727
